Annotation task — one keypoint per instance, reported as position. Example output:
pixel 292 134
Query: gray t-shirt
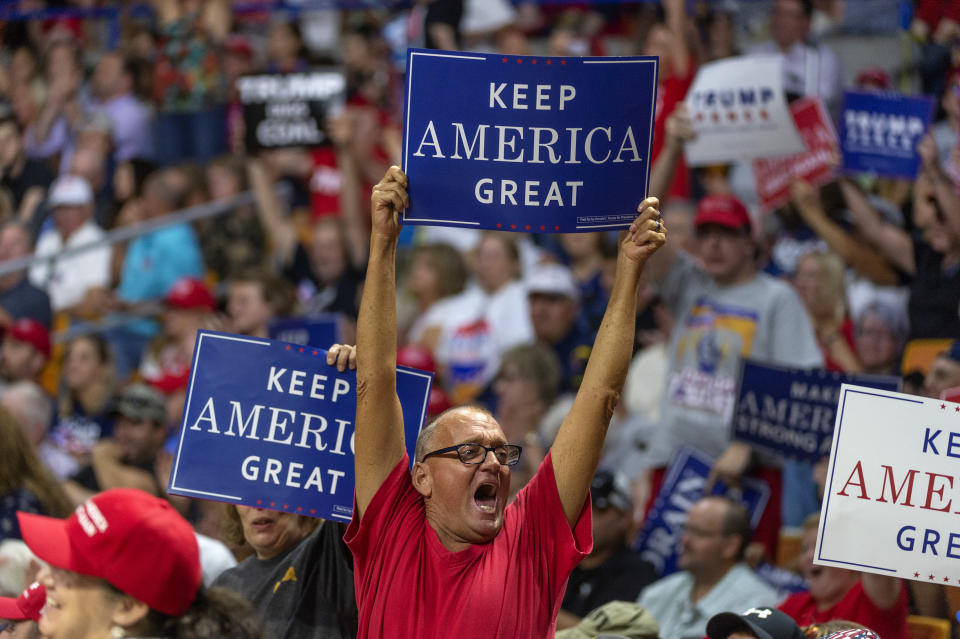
pixel 305 593
pixel 714 328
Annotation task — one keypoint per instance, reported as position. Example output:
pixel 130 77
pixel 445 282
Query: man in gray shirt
pixel 724 310
pixel 713 578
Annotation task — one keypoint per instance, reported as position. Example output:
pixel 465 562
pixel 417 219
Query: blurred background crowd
pixel 115 119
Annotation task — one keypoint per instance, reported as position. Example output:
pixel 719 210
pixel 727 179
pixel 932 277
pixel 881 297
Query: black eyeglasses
pixel 506 454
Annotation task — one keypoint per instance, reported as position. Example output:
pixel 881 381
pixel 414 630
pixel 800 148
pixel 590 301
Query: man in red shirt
pixel 437 553
pixel 872 600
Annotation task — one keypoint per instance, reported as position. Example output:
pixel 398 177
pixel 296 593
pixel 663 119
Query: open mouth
pixel 49 604
pixel 485 497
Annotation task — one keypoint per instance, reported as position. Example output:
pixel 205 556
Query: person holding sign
pixel 437 551
pixel 299 577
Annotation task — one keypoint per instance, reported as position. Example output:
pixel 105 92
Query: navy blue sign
pixel 659 539
pixel 879 132
pixel 523 143
pixel 322 331
pixel 270 425
pixel 790 412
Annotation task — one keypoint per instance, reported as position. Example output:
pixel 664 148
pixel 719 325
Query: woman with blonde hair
pixel 819 281
pixel 25 483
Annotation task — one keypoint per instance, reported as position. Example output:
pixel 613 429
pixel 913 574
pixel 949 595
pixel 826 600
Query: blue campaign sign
pixel 790 412
pixel 879 132
pixel 321 331
pixel 526 143
pixel 659 539
pixel 270 425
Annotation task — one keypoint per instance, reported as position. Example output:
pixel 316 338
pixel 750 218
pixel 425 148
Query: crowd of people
pixel 583 362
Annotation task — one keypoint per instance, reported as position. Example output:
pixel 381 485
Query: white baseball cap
pixel 553 279
pixel 69 190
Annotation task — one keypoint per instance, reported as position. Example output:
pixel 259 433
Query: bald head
pixel 442 423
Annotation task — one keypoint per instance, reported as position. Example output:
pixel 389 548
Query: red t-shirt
pixel 855 606
pixel 846 331
pixel 671 92
pixel 409 585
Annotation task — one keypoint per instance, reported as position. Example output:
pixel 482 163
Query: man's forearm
pixel 610 357
pixel 377 321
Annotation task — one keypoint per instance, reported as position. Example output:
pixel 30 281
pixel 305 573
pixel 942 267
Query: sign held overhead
pixel 523 143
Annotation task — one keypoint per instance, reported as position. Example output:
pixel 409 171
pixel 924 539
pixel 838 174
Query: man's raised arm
pixel 378 440
pixel 576 450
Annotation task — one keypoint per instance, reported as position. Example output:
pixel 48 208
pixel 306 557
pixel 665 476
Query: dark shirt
pixel 448 12
pixel 934 296
pixel 34 173
pixel 78 432
pixel 20 499
pixel 305 593
pixel 26 300
pixel 593 303
pixel 620 578
pixel 87 476
pixel 341 296
pixel 573 352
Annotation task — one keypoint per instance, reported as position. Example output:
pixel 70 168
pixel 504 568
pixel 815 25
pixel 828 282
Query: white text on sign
pixel 528 145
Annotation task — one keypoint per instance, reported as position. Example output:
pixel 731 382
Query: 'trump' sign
pixel 739 112
pixel 879 132
pixel 659 539
pixel 283 110
pixel 270 425
pixel 522 143
pixel 893 492
pixel 790 412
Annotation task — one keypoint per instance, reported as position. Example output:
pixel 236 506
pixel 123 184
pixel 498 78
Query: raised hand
pixel 388 200
pixel 679 125
pixel 805 196
pixel 927 150
pixel 646 234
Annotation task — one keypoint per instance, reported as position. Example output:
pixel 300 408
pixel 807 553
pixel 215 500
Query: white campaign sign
pixel 740 113
pixel 893 489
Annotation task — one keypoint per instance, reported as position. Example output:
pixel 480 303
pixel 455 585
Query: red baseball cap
pixel 873 76
pixel 722 210
pixel 32 332
pixel 135 541
pixel 169 382
pixel 27 606
pixel 416 356
pixel 190 293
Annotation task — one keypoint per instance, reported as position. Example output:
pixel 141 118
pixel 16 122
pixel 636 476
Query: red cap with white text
pixel 27 606
pixel 135 541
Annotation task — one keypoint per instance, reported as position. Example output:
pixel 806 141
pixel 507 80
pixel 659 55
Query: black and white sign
pixel 284 110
